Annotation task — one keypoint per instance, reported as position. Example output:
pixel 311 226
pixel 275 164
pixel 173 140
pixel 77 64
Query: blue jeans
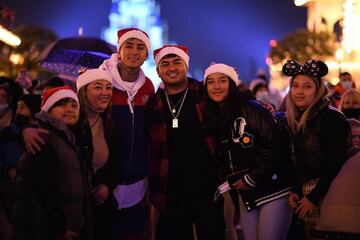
pixel 270 221
pixel 229 213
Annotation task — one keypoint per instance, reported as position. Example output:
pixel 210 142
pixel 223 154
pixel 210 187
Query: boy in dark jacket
pixel 52 191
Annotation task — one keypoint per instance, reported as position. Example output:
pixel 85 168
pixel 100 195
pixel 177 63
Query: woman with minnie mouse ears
pixel 253 155
pixel 321 137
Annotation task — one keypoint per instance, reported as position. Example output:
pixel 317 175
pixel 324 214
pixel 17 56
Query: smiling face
pixel 98 94
pixel 133 53
pixel 66 111
pixel 303 91
pixel 172 71
pixel 217 86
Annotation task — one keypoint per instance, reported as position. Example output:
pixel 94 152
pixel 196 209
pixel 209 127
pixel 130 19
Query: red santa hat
pixel 222 68
pixel 53 95
pixel 92 75
pixel 181 51
pixel 127 33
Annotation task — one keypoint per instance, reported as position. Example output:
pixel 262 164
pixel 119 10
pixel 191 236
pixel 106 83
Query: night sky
pixel 236 32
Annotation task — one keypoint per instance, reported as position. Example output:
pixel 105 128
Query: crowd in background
pixel 108 157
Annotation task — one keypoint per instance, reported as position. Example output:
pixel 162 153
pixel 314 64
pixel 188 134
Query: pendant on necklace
pixel 173 110
pixel 175 123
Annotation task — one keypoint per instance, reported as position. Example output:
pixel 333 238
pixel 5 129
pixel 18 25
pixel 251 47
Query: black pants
pixel 185 209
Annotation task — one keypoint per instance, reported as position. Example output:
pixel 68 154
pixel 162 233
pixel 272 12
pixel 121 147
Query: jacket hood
pixel 45 118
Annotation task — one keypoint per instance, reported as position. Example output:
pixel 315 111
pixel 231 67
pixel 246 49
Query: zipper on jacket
pixel 131 146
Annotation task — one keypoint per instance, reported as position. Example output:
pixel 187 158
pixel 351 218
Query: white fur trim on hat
pixel 57 96
pixel 135 34
pixel 172 50
pixel 92 75
pixel 222 68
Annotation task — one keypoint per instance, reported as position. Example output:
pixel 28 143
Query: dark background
pixel 236 32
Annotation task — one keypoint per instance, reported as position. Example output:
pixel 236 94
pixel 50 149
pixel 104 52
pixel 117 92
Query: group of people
pixel 116 160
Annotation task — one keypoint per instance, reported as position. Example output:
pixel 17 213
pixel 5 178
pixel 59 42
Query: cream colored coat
pixel 340 209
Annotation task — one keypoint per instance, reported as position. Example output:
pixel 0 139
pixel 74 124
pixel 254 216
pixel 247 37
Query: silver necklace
pixel 93 123
pixel 174 106
pixel 175 115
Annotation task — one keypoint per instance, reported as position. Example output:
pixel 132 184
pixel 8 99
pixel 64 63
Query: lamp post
pixel 8 37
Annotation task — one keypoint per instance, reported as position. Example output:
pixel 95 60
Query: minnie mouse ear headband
pixel 313 68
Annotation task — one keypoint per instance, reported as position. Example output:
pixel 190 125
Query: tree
pixel 303 45
pixel 33 40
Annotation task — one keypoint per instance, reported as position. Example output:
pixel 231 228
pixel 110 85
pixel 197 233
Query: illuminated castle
pixel 344 17
pixel 341 17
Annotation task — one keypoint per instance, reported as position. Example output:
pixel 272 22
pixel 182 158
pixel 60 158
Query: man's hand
pixel 32 139
pixel 100 193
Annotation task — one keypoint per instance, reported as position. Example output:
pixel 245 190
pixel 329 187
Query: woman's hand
pixel 100 193
pixel 304 207
pixel 268 106
pixel 293 200
pixel 240 185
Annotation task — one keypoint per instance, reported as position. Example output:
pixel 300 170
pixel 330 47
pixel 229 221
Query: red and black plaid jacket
pixel 159 155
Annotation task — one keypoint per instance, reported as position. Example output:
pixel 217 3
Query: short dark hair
pixel 171 55
pixel 54 82
pixel 62 102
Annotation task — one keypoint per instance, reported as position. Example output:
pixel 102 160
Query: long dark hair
pixel 216 117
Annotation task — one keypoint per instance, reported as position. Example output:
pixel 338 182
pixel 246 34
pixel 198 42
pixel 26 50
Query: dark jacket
pixel 11 147
pixel 134 148
pixel 252 143
pixel 159 150
pixel 322 148
pixel 52 189
pixel 109 173
pixel 104 214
